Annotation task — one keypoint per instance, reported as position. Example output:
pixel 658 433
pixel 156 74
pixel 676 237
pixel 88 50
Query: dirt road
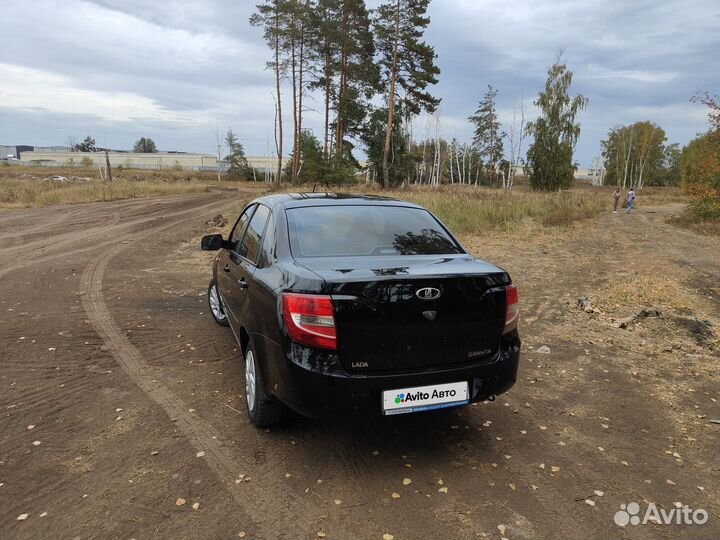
pixel 122 416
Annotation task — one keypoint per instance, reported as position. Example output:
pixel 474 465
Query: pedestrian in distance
pixel 630 200
pixel 616 199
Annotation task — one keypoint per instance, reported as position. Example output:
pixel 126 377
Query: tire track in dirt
pixel 76 236
pixel 142 216
pixel 260 499
pixel 39 227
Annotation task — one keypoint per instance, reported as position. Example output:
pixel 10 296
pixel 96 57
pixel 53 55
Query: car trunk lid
pixel 412 313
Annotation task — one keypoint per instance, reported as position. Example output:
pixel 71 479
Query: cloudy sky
pixel 177 70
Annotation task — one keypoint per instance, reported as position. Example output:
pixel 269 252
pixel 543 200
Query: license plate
pixel 425 398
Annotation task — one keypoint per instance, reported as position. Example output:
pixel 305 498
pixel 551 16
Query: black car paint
pixel 317 382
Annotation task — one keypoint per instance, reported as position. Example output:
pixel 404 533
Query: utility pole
pixel 219 147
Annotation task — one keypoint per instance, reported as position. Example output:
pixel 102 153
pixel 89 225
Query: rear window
pixel 347 231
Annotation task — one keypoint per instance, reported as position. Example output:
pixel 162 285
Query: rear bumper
pixel 315 388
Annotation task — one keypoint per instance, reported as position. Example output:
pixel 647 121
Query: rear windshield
pixel 347 231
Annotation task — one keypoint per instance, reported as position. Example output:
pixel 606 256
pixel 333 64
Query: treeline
pixel 636 155
pixel 372 70
pixel 700 164
pixel 353 57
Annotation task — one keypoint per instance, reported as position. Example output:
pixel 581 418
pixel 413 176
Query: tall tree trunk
pixel 293 68
pixel 391 100
pixel 327 99
pixel 279 100
pixel 298 145
pixel 340 120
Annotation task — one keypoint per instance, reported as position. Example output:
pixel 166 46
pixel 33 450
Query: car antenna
pixel 314 186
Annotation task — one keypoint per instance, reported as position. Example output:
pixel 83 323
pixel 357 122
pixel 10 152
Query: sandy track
pixel 99 316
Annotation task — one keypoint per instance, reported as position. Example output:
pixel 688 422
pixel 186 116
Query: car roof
pixel 300 200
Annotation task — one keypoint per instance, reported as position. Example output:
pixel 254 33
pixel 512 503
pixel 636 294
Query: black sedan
pixel 346 303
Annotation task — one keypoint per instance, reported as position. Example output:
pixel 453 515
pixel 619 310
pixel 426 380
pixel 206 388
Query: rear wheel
pixel 262 409
pixel 217 310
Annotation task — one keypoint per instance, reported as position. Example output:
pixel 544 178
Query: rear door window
pixel 367 230
pixel 240 226
pixel 250 246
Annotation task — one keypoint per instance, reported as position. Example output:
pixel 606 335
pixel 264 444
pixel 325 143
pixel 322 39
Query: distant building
pixel 130 160
pixel 13 151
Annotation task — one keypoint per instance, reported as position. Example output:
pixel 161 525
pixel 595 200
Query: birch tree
pixel 555 132
pixel 516 137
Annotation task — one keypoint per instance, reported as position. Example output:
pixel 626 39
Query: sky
pixel 180 70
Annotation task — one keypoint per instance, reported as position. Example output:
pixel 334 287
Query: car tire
pixel 217 310
pixel 262 409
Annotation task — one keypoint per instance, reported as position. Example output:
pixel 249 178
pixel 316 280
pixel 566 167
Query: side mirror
pixel 211 242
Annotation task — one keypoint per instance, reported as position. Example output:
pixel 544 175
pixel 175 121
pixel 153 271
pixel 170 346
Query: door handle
pixel 226 267
pixel 243 284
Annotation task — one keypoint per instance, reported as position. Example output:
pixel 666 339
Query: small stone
pixel 43 514
pixel 321 534
pixel 22 517
pixel 200 454
pixel 195 506
pixel 36 443
pixel 395 495
pixel 31 426
pixel 338 502
pixel 590 502
pixel 180 501
pixel 599 493
pixel 388 536
pixel 443 490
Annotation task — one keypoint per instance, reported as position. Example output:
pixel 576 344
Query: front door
pixel 224 277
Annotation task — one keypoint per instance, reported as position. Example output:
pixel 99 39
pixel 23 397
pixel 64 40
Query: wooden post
pixel 107 166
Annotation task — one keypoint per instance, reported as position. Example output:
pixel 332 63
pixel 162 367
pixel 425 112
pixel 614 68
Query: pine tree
pixel 272 18
pixel 407 62
pixel 145 145
pixel 238 165
pixel 88 145
pixel 488 136
pixel 555 132
pixel 344 51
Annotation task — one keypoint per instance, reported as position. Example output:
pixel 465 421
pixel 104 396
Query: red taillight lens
pixel 310 320
pixel 512 308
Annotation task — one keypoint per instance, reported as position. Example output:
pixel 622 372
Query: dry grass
pixel 469 210
pixel 23 187
pixel 18 194
pixel 630 293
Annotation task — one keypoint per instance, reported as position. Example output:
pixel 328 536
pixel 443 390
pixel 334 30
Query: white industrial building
pixel 132 160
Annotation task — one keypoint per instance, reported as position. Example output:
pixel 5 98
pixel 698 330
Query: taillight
pixel 310 320
pixel 512 308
